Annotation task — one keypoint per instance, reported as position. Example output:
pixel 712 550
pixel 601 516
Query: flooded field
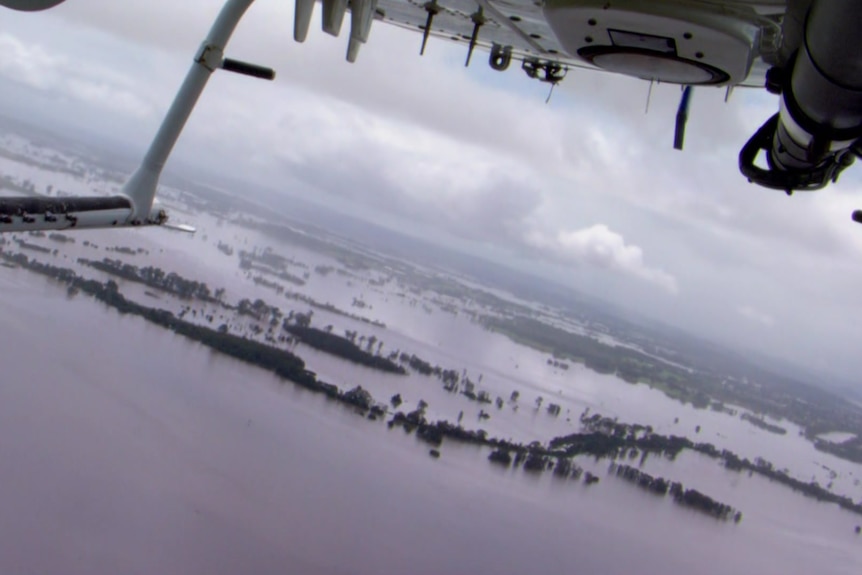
pixel 127 445
pixel 131 446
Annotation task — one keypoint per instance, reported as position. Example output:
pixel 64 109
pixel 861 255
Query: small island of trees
pixel 339 346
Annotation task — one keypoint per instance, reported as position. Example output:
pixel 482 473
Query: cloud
pixel 27 64
pixel 588 180
pixel 599 246
pixel 755 315
pixel 37 68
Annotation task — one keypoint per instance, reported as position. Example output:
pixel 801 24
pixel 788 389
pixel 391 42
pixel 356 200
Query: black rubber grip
pixel 247 69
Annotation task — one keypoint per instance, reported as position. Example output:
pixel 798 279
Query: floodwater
pixel 416 325
pixel 454 342
pixel 126 448
pixel 837 436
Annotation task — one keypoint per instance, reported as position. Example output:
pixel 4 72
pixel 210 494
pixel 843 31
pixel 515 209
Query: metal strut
pixel 141 186
pixel 134 206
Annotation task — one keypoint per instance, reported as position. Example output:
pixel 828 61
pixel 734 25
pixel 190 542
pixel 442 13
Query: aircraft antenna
pixel 649 95
pixel 550 92
pixel 478 19
pixel 682 118
pixel 433 9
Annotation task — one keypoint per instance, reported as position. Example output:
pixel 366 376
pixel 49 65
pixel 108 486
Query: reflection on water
pixel 836 436
pixel 126 446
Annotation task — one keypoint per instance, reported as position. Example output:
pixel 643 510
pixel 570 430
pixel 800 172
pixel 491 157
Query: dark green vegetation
pixel 349 258
pixel 125 250
pixel 273 285
pixel 155 278
pixel 449 377
pixel 61 238
pixel 763 424
pixel 815 410
pixel 678 364
pixel 271 263
pixel 341 347
pixel 226 249
pixel 628 364
pixel 850 449
pixel 604 439
pixel 682 367
pixel 280 362
pixel 607 438
pixel 600 438
pixel 688 497
pixel 189 289
pixel 267 258
pixel 33 247
pixel 331 308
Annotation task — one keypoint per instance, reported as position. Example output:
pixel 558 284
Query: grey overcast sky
pixel 586 189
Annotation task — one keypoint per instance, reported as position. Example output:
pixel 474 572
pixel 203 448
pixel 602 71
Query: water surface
pixel 127 448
